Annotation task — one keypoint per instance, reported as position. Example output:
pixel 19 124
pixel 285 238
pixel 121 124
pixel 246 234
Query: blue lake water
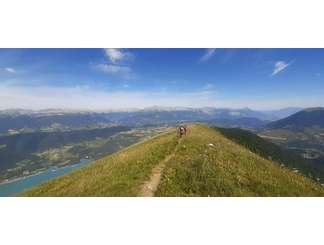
pixel 12 188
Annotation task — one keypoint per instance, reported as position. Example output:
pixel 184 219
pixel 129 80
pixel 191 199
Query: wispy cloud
pixel 86 97
pixel 210 52
pixel 279 66
pixel 114 69
pixel 208 86
pixel 9 69
pixel 116 55
pixel 125 85
pixel 118 62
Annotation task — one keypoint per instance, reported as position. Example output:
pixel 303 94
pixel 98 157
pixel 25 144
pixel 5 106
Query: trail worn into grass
pixel 150 186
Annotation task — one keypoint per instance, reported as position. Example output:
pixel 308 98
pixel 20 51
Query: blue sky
pixel 101 79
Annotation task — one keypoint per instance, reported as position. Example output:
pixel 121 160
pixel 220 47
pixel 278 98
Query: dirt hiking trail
pixel 149 187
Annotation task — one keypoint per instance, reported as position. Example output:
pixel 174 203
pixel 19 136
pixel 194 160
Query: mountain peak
pixel 307 118
pixel 314 109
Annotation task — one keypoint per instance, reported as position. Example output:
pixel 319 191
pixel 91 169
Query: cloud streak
pixel 87 98
pixel 114 69
pixel 209 53
pixel 8 69
pixel 84 97
pixel 11 70
pixel 279 66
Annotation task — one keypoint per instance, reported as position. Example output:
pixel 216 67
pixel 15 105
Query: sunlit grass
pixel 210 164
pixel 205 163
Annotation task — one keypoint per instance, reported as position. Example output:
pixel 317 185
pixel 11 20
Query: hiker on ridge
pixel 182 131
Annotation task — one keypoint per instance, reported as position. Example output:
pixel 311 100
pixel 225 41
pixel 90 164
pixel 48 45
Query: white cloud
pixel 114 69
pixel 208 54
pixel 118 62
pixel 10 69
pixel 279 67
pixel 116 55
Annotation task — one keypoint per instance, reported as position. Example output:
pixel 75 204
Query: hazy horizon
pixel 154 107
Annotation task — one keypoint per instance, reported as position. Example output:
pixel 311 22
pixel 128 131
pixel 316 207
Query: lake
pixel 12 188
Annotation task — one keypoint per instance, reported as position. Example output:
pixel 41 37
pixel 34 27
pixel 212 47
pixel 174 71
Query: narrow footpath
pixel 149 187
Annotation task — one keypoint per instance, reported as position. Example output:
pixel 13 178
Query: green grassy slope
pixel 204 163
pixel 227 169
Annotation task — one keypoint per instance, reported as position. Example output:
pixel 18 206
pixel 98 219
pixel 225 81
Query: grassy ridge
pixel 207 163
pixel 204 163
pixel 120 174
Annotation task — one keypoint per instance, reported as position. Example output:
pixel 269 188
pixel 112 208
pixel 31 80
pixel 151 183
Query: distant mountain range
pixel 17 119
pixel 312 117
